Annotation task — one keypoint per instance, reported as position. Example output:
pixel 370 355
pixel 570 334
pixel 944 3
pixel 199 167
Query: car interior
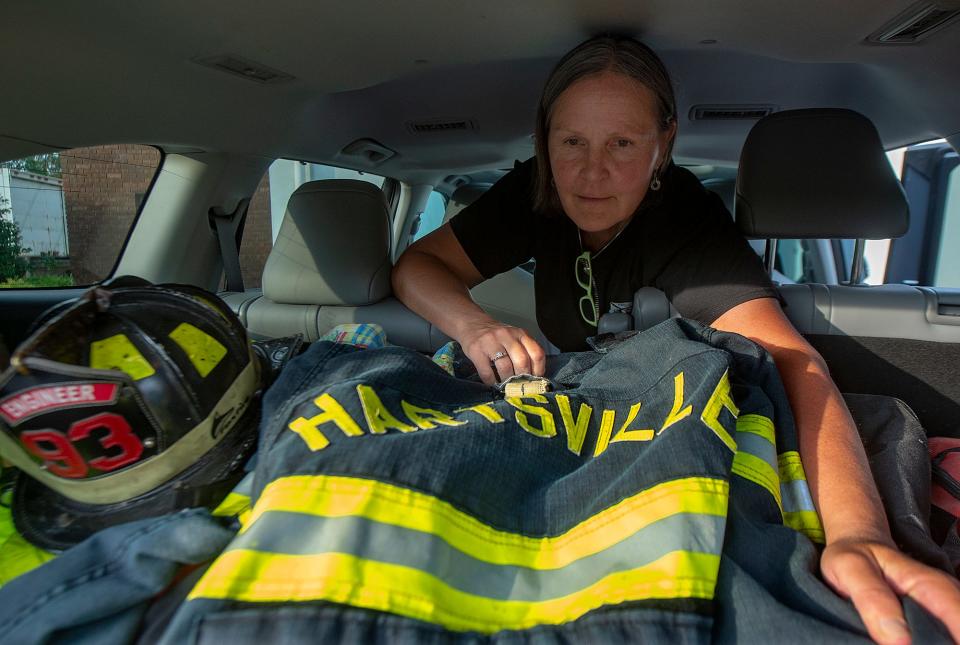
pixel 438 114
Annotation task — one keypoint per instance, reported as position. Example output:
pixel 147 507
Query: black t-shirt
pixel 681 240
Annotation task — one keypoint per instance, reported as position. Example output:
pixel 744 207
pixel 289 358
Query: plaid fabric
pixel 444 357
pixel 372 336
pixel 365 335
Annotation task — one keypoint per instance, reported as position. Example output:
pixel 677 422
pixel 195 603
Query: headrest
pixel 818 173
pixel 463 197
pixel 333 247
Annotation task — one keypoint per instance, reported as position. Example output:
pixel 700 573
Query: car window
pixel 823 261
pixel 799 261
pixel 64 216
pixel 431 218
pixel 947 272
pixel 926 254
pixel 269 202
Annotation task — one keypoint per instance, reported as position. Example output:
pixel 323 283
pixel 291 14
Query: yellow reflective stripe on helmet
pixel 119 353
pixel 347 579
pixel 331 496
pixel 204 351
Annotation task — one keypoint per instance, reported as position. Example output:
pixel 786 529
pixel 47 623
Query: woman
pixel 604 212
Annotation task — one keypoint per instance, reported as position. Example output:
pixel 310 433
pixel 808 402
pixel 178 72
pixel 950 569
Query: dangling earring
pixel 655 184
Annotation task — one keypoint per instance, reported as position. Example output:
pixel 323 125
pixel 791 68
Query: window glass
pixel 948 259
pixel 801 261
pixel 876 252
pixel 926 253
pixel 432 216
pixel 269 203
pixel 64 216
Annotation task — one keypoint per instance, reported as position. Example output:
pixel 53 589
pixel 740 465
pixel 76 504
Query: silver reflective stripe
pixel 759 447
pixel 245 487
pixel 796 496
pixel 299 534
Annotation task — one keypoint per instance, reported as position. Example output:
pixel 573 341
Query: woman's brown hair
pixel 620 54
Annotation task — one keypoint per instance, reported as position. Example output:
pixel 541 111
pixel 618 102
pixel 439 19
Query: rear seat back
pixel 822 173
pixel 331 264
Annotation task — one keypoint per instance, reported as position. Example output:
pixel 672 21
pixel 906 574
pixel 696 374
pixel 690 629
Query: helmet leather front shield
pixel 123 391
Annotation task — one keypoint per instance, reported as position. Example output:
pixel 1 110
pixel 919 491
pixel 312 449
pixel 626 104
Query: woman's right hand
pixel 433 277
pixel 499 351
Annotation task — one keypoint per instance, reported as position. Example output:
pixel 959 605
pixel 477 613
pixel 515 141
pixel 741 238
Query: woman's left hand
pixel 873 574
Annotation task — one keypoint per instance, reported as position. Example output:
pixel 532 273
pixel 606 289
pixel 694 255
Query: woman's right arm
pixel 433 278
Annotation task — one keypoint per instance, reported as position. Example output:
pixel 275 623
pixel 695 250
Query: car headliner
pixel 114 71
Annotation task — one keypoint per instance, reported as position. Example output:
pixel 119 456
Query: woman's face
pixel 604 144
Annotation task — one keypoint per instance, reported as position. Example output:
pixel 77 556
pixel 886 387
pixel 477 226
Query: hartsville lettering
pixel 21 405
pixel 532 413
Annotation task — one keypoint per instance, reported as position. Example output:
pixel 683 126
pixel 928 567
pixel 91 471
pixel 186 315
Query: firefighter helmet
pixel 132 402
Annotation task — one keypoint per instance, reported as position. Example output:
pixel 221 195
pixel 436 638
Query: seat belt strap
pixel 229 227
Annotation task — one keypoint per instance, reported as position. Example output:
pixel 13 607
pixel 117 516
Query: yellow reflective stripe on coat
pixel 350 580
pixel 756 456
pixel 234 504
pixel 759 425
pixel 237 501
pixel 799 511
pixel 379 546
pixel 781 475
pixel 17 556
pixel 332 496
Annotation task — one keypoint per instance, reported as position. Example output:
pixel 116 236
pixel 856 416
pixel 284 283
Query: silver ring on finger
pixel 496 357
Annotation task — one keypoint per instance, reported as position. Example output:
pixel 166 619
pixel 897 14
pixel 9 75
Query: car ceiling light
pixel 367 152
pixel 244 68
pixel 916 23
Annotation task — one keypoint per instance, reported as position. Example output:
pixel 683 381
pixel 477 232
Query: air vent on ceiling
pixel 916 23
pixel 244 68
pixel 730 112
pixel 441 125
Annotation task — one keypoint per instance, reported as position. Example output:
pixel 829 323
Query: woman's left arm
pixel 860 561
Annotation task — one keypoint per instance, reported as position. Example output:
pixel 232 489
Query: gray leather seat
pixel 330 264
